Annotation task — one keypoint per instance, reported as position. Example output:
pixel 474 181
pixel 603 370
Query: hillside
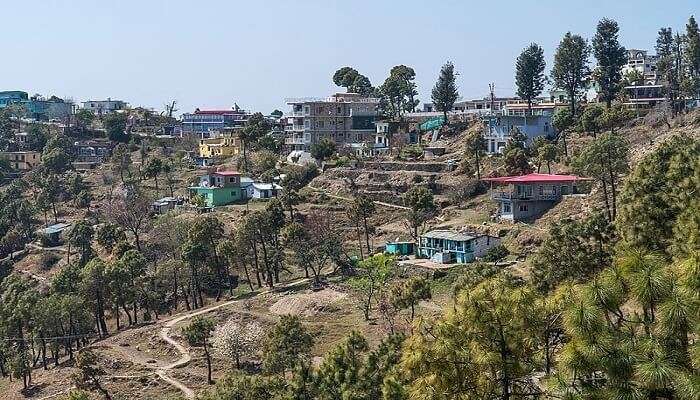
pixel 151 359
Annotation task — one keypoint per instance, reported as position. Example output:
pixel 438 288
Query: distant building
pixel 210 123
pixel 644 63
pixel 445 247
pixel 101 107
pixel 342 118
pixel 529 196
pixel 52 235
pixel 537 122
pixel 95 151
pixel 22 160
pixel 219 188
pixel 227 144
pixel 37 107
pixel 162 206
pixel 11 97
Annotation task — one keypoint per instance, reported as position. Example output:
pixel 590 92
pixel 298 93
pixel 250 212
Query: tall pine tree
pixel 445 91
pixel 571 67
pixel 611 57
pixel 529 73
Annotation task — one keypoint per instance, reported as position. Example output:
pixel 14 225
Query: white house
pixel 258 190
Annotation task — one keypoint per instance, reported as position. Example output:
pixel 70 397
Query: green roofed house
pixel 219 188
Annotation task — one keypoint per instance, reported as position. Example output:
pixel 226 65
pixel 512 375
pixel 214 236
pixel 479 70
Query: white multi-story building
pixel 343 117
pixel 101 107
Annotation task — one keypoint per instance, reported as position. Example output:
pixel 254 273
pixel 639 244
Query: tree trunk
pixel 369 250
pixel 206 354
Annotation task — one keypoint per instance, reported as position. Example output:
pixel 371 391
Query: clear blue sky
pixel 210 54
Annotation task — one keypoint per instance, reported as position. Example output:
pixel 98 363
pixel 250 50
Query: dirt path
pixel 379 203
pixel 163 370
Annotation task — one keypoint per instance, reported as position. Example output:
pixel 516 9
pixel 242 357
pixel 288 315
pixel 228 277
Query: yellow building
pixel 22 160
pixel 226 145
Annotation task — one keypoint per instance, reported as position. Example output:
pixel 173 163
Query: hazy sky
pixel 210 54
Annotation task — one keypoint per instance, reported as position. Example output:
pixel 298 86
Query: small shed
pixel 51 235
pixel 400 248
pixel 165 204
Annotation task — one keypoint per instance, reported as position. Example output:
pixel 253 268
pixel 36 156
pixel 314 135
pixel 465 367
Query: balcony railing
pixel 504 195
pixel 295 140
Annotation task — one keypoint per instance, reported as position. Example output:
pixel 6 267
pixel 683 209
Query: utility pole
pixel 492 86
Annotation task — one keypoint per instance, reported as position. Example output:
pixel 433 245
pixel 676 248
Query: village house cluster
pixel 354 124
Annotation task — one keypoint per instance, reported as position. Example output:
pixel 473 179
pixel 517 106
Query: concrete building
pixel 22 160
pixel 342 117
pixel 259 190
pixel 9 97
pixel 101 107
pixel 95 151
pixel 533 123
pixel 37 107
pixel 227 144
pixel 644 63
pixel 528 196
pixel 219 188
pixel 445 247
pixel 211 123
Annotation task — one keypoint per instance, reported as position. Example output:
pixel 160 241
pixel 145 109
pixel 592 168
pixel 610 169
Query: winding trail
pixel 163 371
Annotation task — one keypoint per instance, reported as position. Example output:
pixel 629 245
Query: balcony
pixel 507 195
pixel 295 140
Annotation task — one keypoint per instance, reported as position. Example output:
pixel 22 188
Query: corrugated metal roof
pixel 535 178
pixel 448 235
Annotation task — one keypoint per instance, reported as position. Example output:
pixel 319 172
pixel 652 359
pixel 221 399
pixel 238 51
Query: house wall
pixel 219 196
pixel 482 244
pixel 497 130
pixel 530 209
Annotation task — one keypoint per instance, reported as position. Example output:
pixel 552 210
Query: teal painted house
pixel 445 247
pixel 400 248
pixel 219 188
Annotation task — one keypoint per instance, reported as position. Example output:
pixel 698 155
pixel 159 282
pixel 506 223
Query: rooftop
pixel 226 173
pixel 448 235
pixel 534 178
pixel 55 228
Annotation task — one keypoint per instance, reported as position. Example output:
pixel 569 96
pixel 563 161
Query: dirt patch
pixel 308 304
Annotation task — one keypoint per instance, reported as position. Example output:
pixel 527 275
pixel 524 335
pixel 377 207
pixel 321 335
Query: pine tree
pixel 611 58
pixel 571 67
pixel 529 73
pixel 445 92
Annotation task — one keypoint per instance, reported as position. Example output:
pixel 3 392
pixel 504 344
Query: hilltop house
pixel 445 247
pixel 528 196
pixel 227 144
pixel 219 188
pixel 533 123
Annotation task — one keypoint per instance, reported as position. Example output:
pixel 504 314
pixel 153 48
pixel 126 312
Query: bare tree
pixel 130 209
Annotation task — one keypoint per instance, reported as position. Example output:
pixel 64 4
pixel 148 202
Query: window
pixel 523 207
pixel 506 208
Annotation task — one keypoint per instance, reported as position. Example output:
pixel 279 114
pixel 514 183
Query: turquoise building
pixel 11 97
pixel 400 248
pixel 219 188
pixel 37 107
